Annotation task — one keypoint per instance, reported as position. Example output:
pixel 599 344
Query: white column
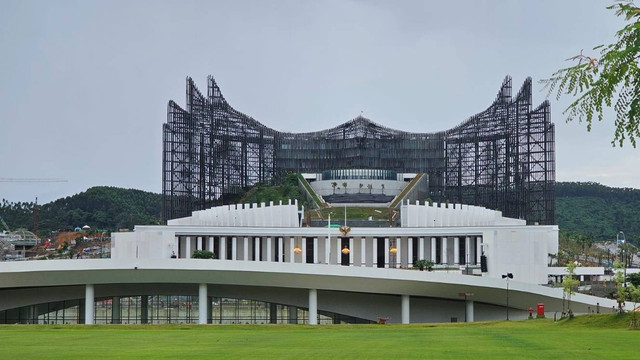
pixel 313 307
pixel 363 251
pixel 478 249
pixel 338 250
pixel 234 248
pixel 386 252
pixel 374 241
pixel 210 241
pixel 223 248
pixel 456 250
pixel 327 250
pixel 469 305
pixel 269 251
pixel 304 250
pixel 199 243
pixel 315 250
pixel 421 249
pixel 405 309
pixel 115 310
pixel 467 250
pixel 256 250
pixel 202 304
pixel 280 248
pixel 291 253
pixel 89 304
pixel 399 253
pixel 433 249
pixel 188 247
pixel 246 249
pixel 350 251
pixel 444 257
pixel 409 252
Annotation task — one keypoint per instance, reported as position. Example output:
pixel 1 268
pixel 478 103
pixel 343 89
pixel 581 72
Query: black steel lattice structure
pixel 502 158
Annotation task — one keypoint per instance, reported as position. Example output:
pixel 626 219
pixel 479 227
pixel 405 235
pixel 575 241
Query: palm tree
pixel 333 185
pixel 360 188
pixel 370 187
pixel 344 185
pixel 382 186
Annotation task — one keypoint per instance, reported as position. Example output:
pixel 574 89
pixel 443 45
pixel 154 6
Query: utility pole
pixel 35 217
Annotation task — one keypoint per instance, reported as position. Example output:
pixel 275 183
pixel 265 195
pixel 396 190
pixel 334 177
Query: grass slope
pixel 589 337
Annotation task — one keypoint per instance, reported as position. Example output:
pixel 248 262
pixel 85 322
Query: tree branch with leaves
pixel 611 77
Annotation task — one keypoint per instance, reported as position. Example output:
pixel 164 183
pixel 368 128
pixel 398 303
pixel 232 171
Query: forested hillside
pixel 598 211
pixel 101 207
pixel 594 210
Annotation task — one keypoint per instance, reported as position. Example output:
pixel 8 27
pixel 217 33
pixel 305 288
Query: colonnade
pixel 369 251
pixel 89 307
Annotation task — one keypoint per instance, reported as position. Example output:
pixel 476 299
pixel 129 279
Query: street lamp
pixel 507 276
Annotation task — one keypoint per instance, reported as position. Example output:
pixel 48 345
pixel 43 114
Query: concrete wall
pixel 282 215
pixel 438 215
pixel 522 252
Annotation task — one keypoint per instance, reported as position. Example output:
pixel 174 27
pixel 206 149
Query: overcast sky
pixel 84 85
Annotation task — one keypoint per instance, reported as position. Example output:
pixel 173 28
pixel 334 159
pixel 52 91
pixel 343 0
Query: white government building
pixel 296 274
pixel 453 237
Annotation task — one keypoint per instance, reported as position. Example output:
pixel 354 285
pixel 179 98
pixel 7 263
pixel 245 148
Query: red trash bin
pixel 540 312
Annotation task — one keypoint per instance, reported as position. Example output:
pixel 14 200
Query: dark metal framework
pixel 502 158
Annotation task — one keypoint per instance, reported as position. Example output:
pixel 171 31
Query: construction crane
pixel 31 180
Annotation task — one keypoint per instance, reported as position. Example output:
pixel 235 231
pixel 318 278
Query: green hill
pixel 100 207
pixel 598 211
pixel 591 209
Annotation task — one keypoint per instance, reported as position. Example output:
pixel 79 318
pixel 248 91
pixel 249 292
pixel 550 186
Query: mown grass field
pixel 588 337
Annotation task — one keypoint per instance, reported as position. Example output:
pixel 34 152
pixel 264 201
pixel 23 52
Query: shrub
pixel 203 254
pixel 423 264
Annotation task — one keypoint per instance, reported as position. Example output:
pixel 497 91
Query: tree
pixel 620 282
pixel 382 186
pixel 370 187
pixel 360 188
pixel 634 296
pixel 597 81
pixel 333 185
pixel 344 185
pixel 634 279
pixel 569 283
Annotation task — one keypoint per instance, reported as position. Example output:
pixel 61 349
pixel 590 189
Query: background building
pixel 502 158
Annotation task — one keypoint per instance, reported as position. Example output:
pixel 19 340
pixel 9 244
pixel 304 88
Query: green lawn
pixel 589 337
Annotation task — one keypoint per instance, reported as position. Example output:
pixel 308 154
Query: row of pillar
pixel 203 299
pixel 301 243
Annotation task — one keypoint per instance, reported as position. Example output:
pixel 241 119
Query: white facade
pixel 455 241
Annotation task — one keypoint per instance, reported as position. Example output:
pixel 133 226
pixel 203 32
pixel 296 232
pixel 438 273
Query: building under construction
pixel 502 158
